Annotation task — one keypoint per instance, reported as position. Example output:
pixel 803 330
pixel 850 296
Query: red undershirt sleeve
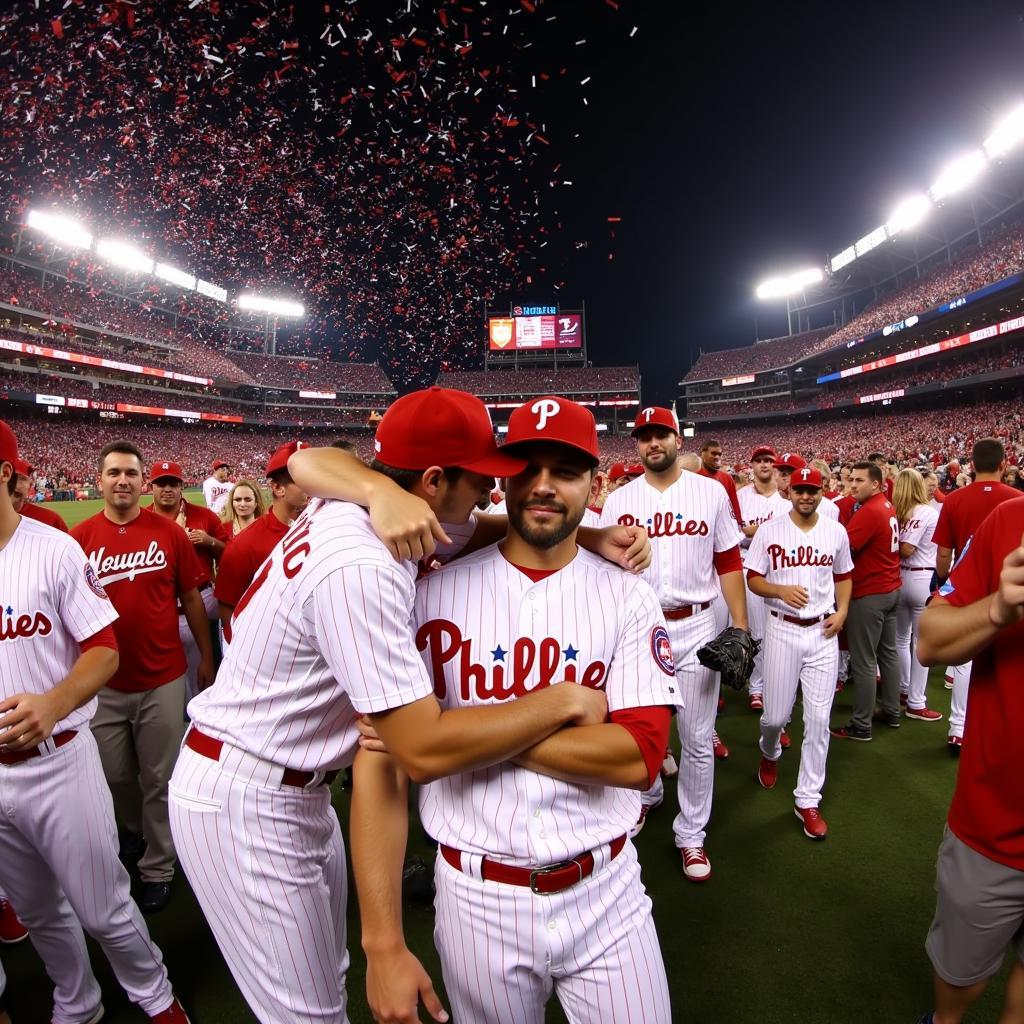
pixel 728 560
pixel 840 576
pixel 649 728
pixel 104 638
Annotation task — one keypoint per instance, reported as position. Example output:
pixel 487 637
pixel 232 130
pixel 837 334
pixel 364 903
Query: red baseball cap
pixel 220 465
pixel 655 416
pixel 790 460
pixel 279 460
pixel 806 476
pixel 159 470
pixel 763 449
pixel 22 468
pixel 635 470
pixel 554 419
pixel 616 470
pixel 8 444
pixel 441 427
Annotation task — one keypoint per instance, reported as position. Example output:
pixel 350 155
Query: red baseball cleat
pixel 813 822
pixel 784 740
pixel 11 929
pixel 640 822
pixel 756 702
pixel 768 772
pixel 174 1014
pixel 721 750
pixel 696 865
pixel 924 714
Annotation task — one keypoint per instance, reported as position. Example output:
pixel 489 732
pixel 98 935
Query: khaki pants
pixel 138 735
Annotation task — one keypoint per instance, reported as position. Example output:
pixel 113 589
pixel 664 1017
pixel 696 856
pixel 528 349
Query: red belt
pixel 543 881
pixel 26 755
pixel 674 614
pixel 211 748
pixel 799 622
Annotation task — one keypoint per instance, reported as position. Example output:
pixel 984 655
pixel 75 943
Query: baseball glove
pixel 732 654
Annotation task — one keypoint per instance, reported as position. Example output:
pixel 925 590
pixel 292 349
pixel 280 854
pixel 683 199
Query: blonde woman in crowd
pixel 917 521
pixel 244 505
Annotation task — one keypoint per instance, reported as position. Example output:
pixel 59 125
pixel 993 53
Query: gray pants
pixel 871 635
pixel 138 735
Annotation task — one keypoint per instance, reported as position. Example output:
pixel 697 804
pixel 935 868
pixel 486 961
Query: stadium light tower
pixel 1008 132
pixel 124 255
pixel 270 308
pixel 790 284
pixel 65 231
pixel 959 174
pixel 908 214
pixel 166 272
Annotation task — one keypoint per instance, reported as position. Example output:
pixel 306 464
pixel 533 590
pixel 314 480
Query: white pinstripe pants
pixel 913 597
pixel 958 702
pixel 799 656
pixel 504 949
pixel 757 612
pixel 59 866
pixel 267 864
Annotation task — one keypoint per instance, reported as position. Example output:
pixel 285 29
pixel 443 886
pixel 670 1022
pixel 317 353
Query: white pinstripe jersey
pixel 488 634
pixel 687 524
pixel 52 600
pixel 591 518
pixel 918 530
pixel 828 508
pixel 783 553
pixel 756 508
pixel 321 637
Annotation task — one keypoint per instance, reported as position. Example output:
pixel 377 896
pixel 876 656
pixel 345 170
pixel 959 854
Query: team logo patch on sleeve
pixel 94 582
pixel 661 648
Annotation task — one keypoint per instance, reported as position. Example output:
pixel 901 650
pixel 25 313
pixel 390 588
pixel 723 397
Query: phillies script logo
pixel 128 564
pixel 24 626
pixel 796 557
pixel 668 524
pixel 541 660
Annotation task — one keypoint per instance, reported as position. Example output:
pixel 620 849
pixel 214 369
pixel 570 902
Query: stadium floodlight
pixel 870 241
pixel 790 284
pixel 908 214
pixel 963 171
pixel 1007 133
pixel 265 304
pixel 64 231
pixel 214 291
pixel 124 255
pixel 844 258
pixel 168 273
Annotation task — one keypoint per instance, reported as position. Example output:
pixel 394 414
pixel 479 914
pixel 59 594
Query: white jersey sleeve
pixel 757 554
pixel 919 530
pixel 843 564
pixel 727 531
pixel 357 618
pixel 83 604
pixel 829 509
pixel 209 488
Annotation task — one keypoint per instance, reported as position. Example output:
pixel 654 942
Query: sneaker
pixel 174 1014
pixel 904 697
pixel 768 772
pixel 893 721
pixel 924 714
pixel 696 865
pixel 953 745
pixel 11 929
pixel 640 822
pixel 721 750
pixel 948 681
pixel 813 822
pixel 851 732
pixel 784 741
pixel 669 767
pixel 756 702
pixel 154 896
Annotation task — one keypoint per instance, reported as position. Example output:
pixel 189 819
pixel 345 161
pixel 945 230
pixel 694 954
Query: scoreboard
pixel 528 331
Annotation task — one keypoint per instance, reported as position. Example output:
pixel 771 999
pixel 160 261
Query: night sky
pixel 393 173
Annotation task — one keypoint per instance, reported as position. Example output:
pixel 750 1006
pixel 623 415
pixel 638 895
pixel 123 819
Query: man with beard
pixel 541 836
pixel 695 538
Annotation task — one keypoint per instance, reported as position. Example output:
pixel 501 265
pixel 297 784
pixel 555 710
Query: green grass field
pixel 786 931
pixel 75 511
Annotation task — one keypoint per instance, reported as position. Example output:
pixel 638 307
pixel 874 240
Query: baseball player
pixel 217 487
pixel 759 501
pixel 58 842
pixel 785 467
pixel 711 467
pixel 247 552
pixel 30 509
pixel 621 473
pixel 204 530
pixel 541 837
pixel 800 565
pixel 321 637
pixel 917 564
pixel 695 538
pixel 963 511
pixel 147 566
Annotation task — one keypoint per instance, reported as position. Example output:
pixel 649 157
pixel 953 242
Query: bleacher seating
pixel 563 381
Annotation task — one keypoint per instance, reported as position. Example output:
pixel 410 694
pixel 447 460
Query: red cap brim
pixel 496 464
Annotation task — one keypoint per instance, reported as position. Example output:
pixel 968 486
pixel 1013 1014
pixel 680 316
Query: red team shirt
pixel 244 555
pixel 199 518
pixel 144 566
pixel 874 532
pixel 987 812
pixel 44 515
pixel 965 510
pixel 730 488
